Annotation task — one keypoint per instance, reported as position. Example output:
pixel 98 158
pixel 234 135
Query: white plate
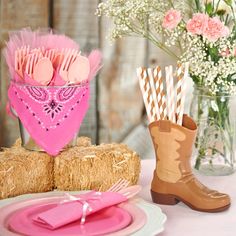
pixel 155 217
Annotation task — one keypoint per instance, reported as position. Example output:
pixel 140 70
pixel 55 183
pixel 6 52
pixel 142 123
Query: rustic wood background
pixel 116 110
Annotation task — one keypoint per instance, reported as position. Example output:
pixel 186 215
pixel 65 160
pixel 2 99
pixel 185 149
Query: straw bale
pixel 95 167
pixel 23 171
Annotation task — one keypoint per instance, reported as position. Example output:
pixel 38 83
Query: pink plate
pixel 105 221
pixel 139 220
pixel 139 217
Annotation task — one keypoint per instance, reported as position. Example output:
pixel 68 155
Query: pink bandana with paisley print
pixel 51 115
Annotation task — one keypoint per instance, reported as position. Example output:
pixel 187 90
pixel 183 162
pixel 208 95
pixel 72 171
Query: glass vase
pixel 215 145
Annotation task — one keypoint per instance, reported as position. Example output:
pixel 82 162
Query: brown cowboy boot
pixel 173 180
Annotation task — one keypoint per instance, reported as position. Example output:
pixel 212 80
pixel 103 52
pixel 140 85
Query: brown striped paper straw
pixel 146 92
pixel 153 81
pixel 161 100
pixel 170 94
pixel 183 93
pixel 179 91
pixel 149 93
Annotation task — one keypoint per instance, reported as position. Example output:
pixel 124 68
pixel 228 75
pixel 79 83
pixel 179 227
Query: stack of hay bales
pixel 77 168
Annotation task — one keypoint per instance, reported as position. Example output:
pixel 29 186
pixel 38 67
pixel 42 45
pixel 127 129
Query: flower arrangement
pixel 204 34
pixel 204 31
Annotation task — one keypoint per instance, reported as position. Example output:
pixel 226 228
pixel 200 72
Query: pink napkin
pixel 86 204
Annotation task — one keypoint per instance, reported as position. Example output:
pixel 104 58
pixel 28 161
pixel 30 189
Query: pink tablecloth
pixel 182 221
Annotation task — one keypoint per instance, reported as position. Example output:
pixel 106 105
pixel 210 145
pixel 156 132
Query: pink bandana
pixel 51 115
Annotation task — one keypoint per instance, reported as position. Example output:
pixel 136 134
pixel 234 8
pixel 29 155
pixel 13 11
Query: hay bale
pixel 95 167
pixel 77 168
pixel 23 171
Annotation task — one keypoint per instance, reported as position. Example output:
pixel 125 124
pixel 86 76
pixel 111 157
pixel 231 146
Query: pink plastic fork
pixel 50 54
pixel 57 61
pixel 20 55
pixel 31 62
pixel 67 61
pixel 120 184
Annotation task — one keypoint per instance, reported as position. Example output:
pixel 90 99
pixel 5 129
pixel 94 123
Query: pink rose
pixel 215 29
pixel 171 19
pixel 197 24
pixel 225 31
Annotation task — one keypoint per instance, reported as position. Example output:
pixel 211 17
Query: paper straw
pixel 180 75
pixel 183 93
pixel 145 100
pixel 160 93
pixel 146 93
pixel 170 94
pixel 154 92
pixel 149 93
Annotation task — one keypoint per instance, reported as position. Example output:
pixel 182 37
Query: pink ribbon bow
pixel 84 200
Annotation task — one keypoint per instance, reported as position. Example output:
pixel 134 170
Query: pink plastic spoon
pixel 43 71
pixel 79 70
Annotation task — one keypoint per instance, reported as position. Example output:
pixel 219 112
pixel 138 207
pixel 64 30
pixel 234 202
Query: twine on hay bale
pixel 95 167
pixel 23 171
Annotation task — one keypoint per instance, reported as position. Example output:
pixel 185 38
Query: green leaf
pixel 198 6
pixel 234 33
pixel 209 8
pixel 214 53
pixel 195 79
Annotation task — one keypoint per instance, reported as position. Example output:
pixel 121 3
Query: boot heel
pixel 165 199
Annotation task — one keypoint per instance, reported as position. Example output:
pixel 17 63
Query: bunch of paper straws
pixel 161 103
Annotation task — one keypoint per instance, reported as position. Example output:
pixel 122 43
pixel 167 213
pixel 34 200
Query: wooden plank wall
pixel 116 104
pixel 15 14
